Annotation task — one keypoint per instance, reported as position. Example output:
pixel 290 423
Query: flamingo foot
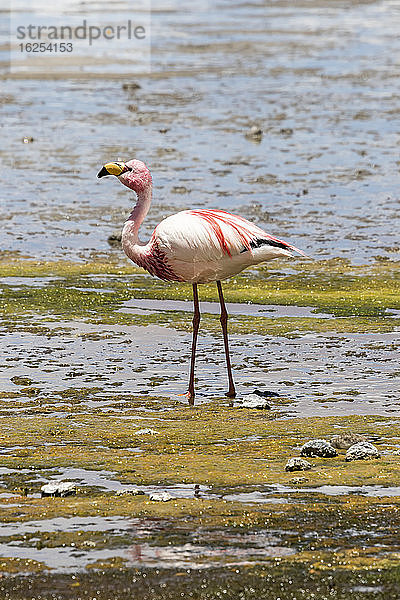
pixel 189 396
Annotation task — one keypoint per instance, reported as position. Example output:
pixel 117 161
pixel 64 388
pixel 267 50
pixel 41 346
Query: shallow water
pixel 137 541
pixel 320 80
pixel 124 360
pixel 235 549
pixel 146 305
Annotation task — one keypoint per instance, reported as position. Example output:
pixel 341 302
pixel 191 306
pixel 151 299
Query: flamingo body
pixel 200 246
pixel 196 246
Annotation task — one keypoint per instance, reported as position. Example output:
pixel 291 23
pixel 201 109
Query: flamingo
pixel 195 246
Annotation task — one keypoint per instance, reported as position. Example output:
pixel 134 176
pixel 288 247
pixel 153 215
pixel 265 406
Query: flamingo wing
pixel 214 235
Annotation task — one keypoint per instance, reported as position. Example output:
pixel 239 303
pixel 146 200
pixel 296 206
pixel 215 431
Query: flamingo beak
pixel 103 173
pixel 115 168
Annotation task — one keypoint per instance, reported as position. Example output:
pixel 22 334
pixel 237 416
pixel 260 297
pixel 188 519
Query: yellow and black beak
pixel 113 168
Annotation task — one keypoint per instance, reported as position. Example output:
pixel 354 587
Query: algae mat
pixel 95 355
pixel 236 520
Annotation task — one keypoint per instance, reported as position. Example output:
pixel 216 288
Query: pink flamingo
pixel 196 246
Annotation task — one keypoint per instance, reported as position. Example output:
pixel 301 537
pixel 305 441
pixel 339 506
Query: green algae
pixel 358 298
pixel 20 565
pixel 231 451
pixel 274 579
pixel 189 441
pixel 335 286
pixel 62 268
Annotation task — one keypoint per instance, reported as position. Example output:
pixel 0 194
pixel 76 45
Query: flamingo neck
pixel 130 236
pixel 139 213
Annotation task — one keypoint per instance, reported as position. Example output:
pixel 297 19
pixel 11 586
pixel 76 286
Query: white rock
pixel 146 431
pixel 58 488
pixel 251 401
pixel 130 492
pixel 344 440
pixel 160 497
pixel 362 451
pixel 318 447
pixel 254 132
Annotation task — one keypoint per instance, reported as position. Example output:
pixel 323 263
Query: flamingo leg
pixel 231 393
pixel 196 323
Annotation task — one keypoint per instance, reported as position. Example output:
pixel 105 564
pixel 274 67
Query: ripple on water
pixel 327 183
pixel 99 365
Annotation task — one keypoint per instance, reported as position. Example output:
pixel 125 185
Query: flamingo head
pixel 134 174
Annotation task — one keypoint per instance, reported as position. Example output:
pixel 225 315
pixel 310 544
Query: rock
pixel 179 189
pixel 115 238
pixel 362 451
pixel 345 440
pixel 251 401
pixel 266 394
pixel 286 131
pixel 298 480
pixel 160 497
pixel 318 447
pixel 297 464
pixel 130 492
pixel 146 431
pixel 303 192
pixel 58 489
pixel 131 87
pixel 254 133
pixel 21 380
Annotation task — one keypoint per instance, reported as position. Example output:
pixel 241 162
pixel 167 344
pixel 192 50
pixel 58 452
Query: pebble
pixel 146 431
pixel 318 447
pixel 345 440
pixel 58 489
pixel 115 238
pixel 180 189
pixel 130 492
pixel 362 451
pixel 252 401
pixel 21 380
pixel 297 464
pixel 298 480
pixel 131 87
pixel 255 133
pixel 266 394
pixel 160 497
pixel 286 131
